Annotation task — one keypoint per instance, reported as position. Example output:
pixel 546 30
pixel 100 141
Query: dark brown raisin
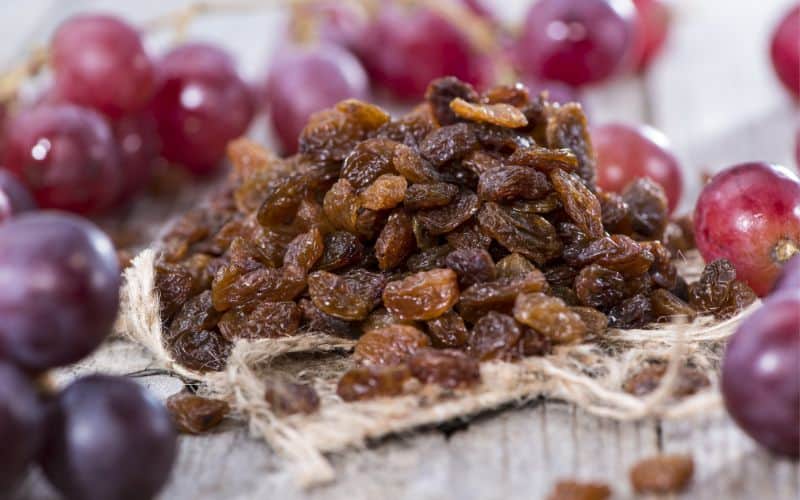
pixel 494 336
pixel 529 234
pixel 196 314
pixel 281 200
pixel 194 414
pixel 516 95
pixel 646 379
pixel 472 265
pixel 442 220
pixel 202 351
pixel 261 320
pixel 315 320
pixel 668 307
pixel 567 128
pixel 595 321
pixel 513 266
pixel 615 212
pixel 599 287
pixel 479 161
pixel 448 143
pixel 533 343
pixel 617 252
pixel 390 345
pixel 424 295
pixel 342 249
pixel 368 382
pixel 381 318
pixel 341 206
pixel 545 159
pixel 448 330
pixel 349 296
pixel 303 252
pixel 679 235
pixel 498 295
pixel 549 203
pixel 468 236
pixel 647 208
pixel 662 474
pixel 174 283
pixel 717 292
pixel 411 166
pixel 396 241
pixel 561 275
pixel 368 161
pixel 549 316
pixel 289 398
pixel 633 312
pixel 332 133
pixel 433 195
pixel 442 91
pixel 579 202
pixel 428 259
pixel 506 184
pixel 447 368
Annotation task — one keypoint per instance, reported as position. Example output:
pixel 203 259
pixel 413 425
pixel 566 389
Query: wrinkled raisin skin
pixel 424 295
pixel 390 345
pixel 447 368
pixel 368 382
pixel 194 414
pixel 288 398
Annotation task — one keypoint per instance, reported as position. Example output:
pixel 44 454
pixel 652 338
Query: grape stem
pixel 784 250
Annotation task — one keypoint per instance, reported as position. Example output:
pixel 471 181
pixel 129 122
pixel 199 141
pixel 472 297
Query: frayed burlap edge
pixel 589 375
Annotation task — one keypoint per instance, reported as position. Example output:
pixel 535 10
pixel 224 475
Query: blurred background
pixel 699 71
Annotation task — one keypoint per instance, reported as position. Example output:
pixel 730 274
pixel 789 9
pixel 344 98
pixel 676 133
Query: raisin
pixel 516 95
pixel 390 345
pixel 448 330
pixel 410 128
pixel 431 258
pixel 500 114
pixel 317 321
pixel 549 316
pixel 667 306
pixel 561 275
pixel 647 208
pixel 442 220
pixel 368 382
pixel 448 143
pixel 595 321
pixel 472 265
pixel 442 91
pixel 567 128
pixel 202 351
pixel 662 474
pixel 529 234
pixel 232 288
pixel 479 162
pixel 411 166
pixel 282 197
pixel 262 320
pixel 545 159
pixel 533 343
pixel 332 133
pixel 424 295
pixel 663 271
pixel 447 368
pixel 342 249
pixel 381 318
pixel 619 253
pixel 341 206
pixel 633 312
pixel 174 284
pixel 506 184
pixel 513 266
pixel 717 292
pixel 303 252
pixel 289 398
pixel 498 295
pixel 193 414
pixel 549 203
pixel 679 235
pixel 573 490
pixel 579 202
pixel 599 287
pixel 646 379
pixel 468 236
pixel 494 336
pixel 349 296
pixel 396 241
pixel 386 192
pixel 368 161
pixel 500 139
pixel 615 213
pixel 196 314
pixel 433 195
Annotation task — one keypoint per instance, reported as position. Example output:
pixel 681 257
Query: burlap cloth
pixel 589 375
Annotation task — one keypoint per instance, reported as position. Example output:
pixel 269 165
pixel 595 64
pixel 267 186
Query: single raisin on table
pixel 368 382
pixel 662 474
pixel 647 378
pixel 574 490
pixel 287 398
pixel 390 345
pixel 448 368
pixel 194 414
pixel 424 295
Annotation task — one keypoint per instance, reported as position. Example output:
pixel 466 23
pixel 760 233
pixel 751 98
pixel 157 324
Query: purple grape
pixel 59 289
pixel 304 80
pixel 789 278
pixel 576 41
pixel 109 439
pixel 761 374
pixel 19 198
pixel 99 61
pixel 200 105
pixel 21 418
pixel 138 143
pixel 66 156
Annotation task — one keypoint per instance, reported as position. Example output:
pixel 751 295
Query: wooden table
pixel 713 93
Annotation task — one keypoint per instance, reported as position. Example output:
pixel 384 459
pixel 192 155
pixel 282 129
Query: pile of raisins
pixel 470 229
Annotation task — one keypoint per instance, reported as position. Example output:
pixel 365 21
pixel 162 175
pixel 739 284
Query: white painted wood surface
pixel 713 93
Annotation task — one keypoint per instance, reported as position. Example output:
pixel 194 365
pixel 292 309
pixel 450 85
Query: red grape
pixel 404 49
pixel 576 41
pixel 750 215
pixel 109 440
pixel 99 61
pixel 479 8
pixel 304 80
pixel 59 288
pixel 21 419
pixel 761 374
pixel 626 152
pixel 67 157
pixel 652 26
pixel 200 105
pixel 138 143
pixel 785 51
pixel 789 278
pixel 18 197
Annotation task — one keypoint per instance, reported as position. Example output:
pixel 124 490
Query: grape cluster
pixel 102 437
